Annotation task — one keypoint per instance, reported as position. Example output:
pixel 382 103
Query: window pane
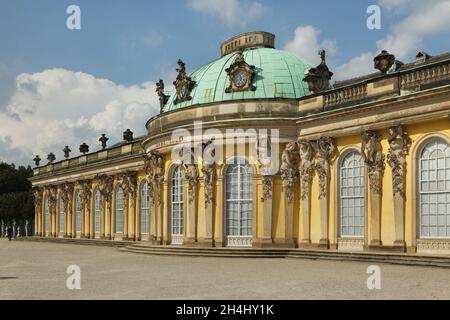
pixel 352 191
pixel 120 201
pixel 434 190
pixel 177 218
pixel 239 199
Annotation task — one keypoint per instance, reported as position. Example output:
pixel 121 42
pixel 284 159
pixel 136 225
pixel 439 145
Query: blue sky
pixel 112 42
pixel 89 81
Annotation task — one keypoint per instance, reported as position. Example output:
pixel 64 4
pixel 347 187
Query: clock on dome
pixel 241 75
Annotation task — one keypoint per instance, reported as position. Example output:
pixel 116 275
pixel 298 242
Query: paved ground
pixel 30 270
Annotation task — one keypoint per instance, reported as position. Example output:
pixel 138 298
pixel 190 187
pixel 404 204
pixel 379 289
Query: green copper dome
pixel 278 74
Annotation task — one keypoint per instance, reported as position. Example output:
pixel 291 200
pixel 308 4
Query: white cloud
pixel 394 5
pixel 425 18
pixel 232 12
pixel 57 107
pixel 356 67
pixel 421 19
pixel 306 44
pixel 153 39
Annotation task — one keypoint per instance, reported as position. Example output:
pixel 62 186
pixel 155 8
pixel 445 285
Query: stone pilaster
pixel 129 186
pixel 154 168
pixel 67 198
pixel 399 143
pixel 209 180
pixel 190 171
pixel 267 205
pixel 325 149
pixel 106 187
pixel 52 201
pixel 289 175
pixel 306 170
pixel 374 159
pixel 86 192
pixel 165 231
pixel 37 193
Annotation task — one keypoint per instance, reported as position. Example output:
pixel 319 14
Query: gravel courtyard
pixel 31 270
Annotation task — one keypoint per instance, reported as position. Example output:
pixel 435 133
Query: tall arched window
pixel 434 168
pixel 62 215
pixel 352 199
pixel 78 211
pixel 97 211
pixel 46 215
pixel 119 209
pixel 177 212
pixel 239 208
pixel 145 204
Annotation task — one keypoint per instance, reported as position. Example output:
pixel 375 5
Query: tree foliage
pixel 16 199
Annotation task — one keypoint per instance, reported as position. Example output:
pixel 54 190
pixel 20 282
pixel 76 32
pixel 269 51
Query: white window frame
pixel 145 208
pixel 239 238
pixel 120 205
pixel 46 216
pixel 97 211
pixel 352 195
pixel 78 211
pixel 177 207
pixel 62 215
pixel 434 190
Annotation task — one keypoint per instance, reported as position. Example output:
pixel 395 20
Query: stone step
pixel 87 242
pixel 211 250
pixel 311 254
pixel 294 252
pixel 199 255
pixel 398 259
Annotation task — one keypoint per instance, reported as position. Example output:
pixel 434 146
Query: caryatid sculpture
pixel 289 169
pixel 306 167
pixel 325 149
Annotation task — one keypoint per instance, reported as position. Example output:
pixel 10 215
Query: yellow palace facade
pixel 259 149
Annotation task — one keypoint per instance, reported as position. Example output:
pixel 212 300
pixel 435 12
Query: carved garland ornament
pixel 399 143
pixel 374 158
